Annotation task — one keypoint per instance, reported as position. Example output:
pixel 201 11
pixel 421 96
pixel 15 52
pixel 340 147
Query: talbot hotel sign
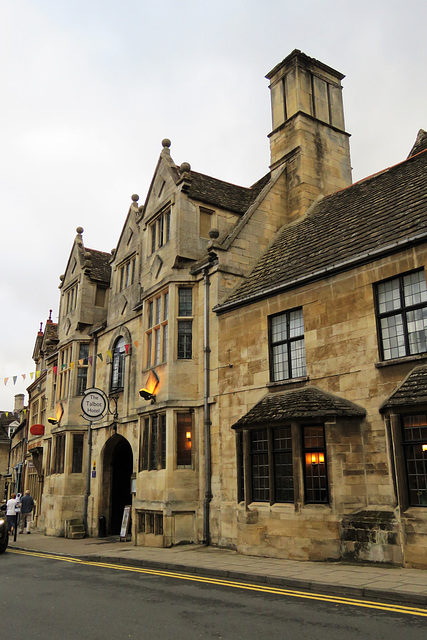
pixel 94 404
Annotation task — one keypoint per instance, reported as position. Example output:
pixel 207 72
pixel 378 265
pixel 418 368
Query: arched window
pixel 118 368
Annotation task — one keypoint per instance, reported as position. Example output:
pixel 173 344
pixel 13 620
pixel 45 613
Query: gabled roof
pixel 307 402
pixel 370 218
pixel 222 194
pixel 412 391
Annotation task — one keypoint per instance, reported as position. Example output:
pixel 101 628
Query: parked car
pixel 4 535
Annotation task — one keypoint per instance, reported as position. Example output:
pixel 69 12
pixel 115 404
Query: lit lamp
pixel 315 458
pixel 424 446
pixel 149 391
pixel 188 439
pixel 59 413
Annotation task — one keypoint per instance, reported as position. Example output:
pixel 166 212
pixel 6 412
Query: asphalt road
pixel 43 598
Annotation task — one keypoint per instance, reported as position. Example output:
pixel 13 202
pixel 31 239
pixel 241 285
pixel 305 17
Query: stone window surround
pixel 298 454
pixel 394 422
pixel 401 311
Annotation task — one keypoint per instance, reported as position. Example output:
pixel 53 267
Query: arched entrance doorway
pixel 118 467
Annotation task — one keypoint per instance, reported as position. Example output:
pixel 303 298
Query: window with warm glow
pixel 184 439
pixel 315 477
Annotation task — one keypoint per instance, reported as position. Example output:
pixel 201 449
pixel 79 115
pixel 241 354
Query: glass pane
pixel 417 330
pixel 313 437
pixel 158 310
pixel 415 288
pixel 298 367
pixel 185 305
pixel 296 324
pixel 280 362
pixel 393 340
pixel 185 339
pixel 279 331
pixel 389 296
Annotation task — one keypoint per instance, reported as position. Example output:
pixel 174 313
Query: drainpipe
pixel 206 407
pixel 89 443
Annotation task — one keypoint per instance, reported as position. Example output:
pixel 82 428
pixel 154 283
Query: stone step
pixel 76 535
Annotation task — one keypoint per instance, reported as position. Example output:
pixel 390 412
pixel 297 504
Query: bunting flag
pixel 103 357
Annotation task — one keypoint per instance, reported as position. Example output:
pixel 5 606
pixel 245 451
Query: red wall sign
pixel 37 430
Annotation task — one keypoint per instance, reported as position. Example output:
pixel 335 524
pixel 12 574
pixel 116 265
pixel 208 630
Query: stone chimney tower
pixel 19 402
pixel 308 130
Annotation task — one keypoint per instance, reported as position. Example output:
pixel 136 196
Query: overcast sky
pixel 90 88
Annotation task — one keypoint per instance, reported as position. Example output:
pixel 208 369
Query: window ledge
pixel 388 363
pixel 285 383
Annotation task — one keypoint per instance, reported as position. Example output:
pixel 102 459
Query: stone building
pixel 233 333
pixel 326 398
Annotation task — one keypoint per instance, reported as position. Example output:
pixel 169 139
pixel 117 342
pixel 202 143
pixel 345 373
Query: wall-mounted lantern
pixel 148 392
pixel 315 457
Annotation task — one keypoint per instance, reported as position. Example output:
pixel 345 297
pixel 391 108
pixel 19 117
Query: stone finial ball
pixel 166 143
pixel 141 208
pixel 213 233
pixel 62 277
pixel 185 166
pixel 135 197
pixel 87 255
pixel 79 230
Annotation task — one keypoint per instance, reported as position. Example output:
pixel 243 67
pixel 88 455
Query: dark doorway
pixel 121 472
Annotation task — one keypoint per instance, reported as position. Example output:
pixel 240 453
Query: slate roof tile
pixel 371 214
pixel 412 391
pixel 224 194
pixel 100 269
pixel 308 402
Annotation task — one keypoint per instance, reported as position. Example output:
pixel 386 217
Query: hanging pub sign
pixel 94 404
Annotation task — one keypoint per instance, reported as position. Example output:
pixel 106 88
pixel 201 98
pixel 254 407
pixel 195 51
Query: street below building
pixel 48 597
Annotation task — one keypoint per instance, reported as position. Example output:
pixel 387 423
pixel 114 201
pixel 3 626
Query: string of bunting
pixel 108 355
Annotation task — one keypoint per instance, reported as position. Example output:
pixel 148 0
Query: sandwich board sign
pixel 94 404
pixel 125 523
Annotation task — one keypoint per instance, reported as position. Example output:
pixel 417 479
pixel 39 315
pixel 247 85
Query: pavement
pixel 373 582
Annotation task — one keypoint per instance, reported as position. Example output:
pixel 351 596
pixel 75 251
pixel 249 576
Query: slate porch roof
pixel 412 391
pixel 222 194
pixel 308 402
pixel 370 218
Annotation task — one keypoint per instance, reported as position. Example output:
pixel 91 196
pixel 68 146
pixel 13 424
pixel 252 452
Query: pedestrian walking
pixel 11 512
pixel 27 506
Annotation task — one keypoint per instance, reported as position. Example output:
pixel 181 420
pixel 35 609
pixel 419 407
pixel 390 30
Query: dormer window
pixel 160 230
pixel 127 273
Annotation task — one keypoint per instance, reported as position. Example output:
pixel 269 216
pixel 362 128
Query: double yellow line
pixel 394 608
